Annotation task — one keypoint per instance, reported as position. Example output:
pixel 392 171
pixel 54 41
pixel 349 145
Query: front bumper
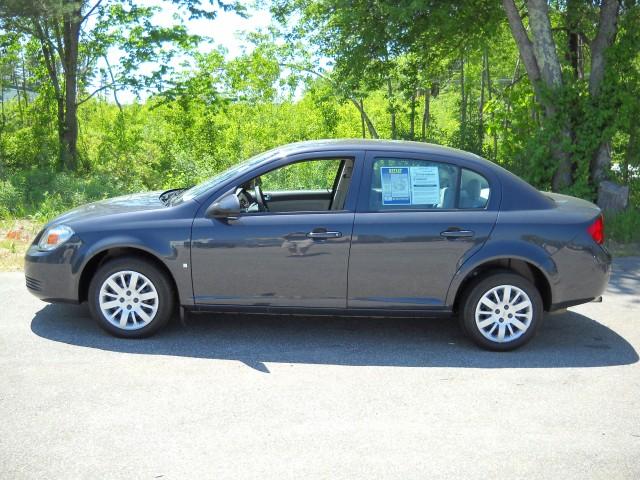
pixel 50 276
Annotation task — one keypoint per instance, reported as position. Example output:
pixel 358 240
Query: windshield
pixel 238 169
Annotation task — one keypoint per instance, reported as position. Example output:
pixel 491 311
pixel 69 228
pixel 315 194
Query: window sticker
pixel 410 185
pixel 425 186
pixel 395 185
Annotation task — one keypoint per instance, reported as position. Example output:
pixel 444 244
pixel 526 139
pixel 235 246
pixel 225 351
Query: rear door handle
pixel 456 233
pixel 323 235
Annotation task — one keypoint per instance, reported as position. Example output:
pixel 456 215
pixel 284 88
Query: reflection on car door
pixel 283 259
pixel 272 260
pixel 403 257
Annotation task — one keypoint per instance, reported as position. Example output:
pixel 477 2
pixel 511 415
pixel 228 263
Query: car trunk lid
pixel 573 204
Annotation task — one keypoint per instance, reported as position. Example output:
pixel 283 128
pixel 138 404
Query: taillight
pixel 596 230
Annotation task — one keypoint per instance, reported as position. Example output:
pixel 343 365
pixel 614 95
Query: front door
pixel 289 247
pixel 417 220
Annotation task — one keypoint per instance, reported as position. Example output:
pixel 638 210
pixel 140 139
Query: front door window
pixel 307 186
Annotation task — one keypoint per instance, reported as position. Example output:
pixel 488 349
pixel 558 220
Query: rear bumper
pixel 49 275
pixel 583 275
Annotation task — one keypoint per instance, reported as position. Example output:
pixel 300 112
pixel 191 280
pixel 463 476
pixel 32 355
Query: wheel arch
pixel 524 267
pixel 99 258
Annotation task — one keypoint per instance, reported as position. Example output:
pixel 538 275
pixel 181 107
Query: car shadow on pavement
pixel 565 340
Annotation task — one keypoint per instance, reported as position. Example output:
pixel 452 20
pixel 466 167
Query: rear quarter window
pixel 474 190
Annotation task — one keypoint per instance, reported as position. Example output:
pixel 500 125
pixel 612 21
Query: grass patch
pixel 622 231
pixel 15 238
pixel 623 227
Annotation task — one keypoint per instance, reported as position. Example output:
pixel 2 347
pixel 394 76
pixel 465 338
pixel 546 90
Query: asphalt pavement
pixel 330 398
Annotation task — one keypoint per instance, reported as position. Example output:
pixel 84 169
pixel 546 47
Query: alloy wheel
pixel 504 313
pixel 128 300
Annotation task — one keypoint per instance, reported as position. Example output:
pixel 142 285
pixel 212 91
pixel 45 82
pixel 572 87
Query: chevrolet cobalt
pixel 334 227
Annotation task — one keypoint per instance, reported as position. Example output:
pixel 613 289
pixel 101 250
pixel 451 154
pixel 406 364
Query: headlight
pixel 54 236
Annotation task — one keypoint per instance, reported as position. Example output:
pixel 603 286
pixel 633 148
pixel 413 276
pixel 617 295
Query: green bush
pixel 623 227
pixel 44 194
pixel 165 143
pixel 65 191
pixel 11 200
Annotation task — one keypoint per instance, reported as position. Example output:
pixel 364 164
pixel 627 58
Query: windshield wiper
pixel 167 196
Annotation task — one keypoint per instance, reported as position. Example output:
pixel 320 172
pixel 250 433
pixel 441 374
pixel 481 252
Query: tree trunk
pixel 563 175
pixel 412 116
pixel 372 130
pixel 463 104
pixel 546 56
pixel 601 163
pixel 364 132
pixel 71 36
pixel 574 39
pixel 426 114
pixel 544 46
pixel 516 70
pixel 483 76
pixel 540 59
pixel 489 95
pixel 2 115
pixel 392 108
pixel 607 30
pixel 24 79
pixel 113 83
pixel 51 65
pixel 525 47
pixel 632 151
pixel 14 81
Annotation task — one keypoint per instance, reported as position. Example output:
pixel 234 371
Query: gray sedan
pixel 333 227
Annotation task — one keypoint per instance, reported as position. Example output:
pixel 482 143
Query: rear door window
pixel 400 184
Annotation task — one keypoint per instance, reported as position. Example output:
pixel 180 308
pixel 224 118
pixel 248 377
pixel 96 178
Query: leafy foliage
pixel 443 72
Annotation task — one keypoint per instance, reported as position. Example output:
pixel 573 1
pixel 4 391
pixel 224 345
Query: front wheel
pixel 502 311
pixel 130 297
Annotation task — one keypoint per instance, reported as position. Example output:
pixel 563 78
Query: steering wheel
pixel 262 204
pixel 244 198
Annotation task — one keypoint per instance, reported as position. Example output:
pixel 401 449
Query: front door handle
pixel 321 235
pixel 451 233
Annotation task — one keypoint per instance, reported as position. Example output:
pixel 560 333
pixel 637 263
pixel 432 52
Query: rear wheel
pixel 130 297
pixel 502 311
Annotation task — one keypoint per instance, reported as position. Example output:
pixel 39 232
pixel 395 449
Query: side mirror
pixel 225 207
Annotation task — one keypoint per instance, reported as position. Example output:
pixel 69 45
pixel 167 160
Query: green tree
pixel 74 36
pixel 406 48
pixel 539 50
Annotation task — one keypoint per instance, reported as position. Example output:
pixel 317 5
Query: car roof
pixel 375 144
pixel 405 146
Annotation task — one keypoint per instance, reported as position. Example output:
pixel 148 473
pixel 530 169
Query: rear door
pixel 411 231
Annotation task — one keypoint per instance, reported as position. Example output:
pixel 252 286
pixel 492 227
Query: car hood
pixel 125 204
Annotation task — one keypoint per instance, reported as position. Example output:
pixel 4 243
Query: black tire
pixel 163 287
pixel 475 293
